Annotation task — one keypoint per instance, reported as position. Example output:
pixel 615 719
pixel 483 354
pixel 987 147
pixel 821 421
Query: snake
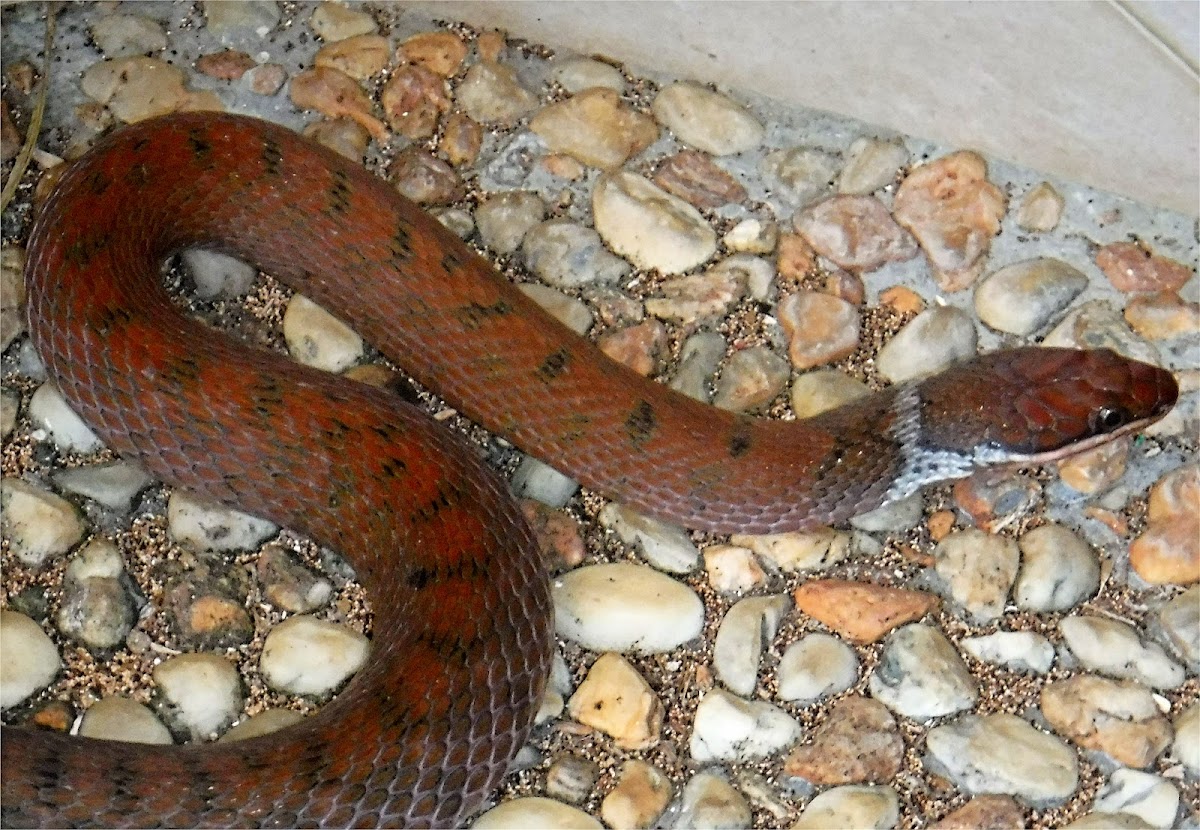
pixel 463 630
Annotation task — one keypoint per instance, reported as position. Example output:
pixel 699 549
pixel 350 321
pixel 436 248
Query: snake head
pixel 1033 405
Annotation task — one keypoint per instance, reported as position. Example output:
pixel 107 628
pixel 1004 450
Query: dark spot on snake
pixel 741 439
pixel 553 365
pixel 138 175
pixel 272 156
pixel 451 261
pixel 394 467
pixel 98 182
pixel 641 423
pixel 81 252
pixel 140 144
pixel 200 147
pixel 401 244
pixel 473 315
pixel 109 318
pixel 435 506
pixel 339 194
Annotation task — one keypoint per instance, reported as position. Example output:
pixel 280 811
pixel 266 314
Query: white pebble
pixel 122 35
pixel 49 410
pixel 979 568
pixel 920 675
pixel 1114 648
pixel 217 274
pixel 571 312
pixel 877 808
pixel 317 338
pixel 113 485
pixel 579 74
pixel 264 723
pixel 37 524
pixel 706 120
pixel 1058 570
pixel 1017 650
pixel 816 666
pixel 666 547
pixel 537 480
pixel 932 341
pixel 535 813
pixel 709 802
pixel 212 527
pixel 122 719
pixel 1186 748
pixel 871 164
pixel 728 728
pixel 625 607
pixel 203 692
pixel 30 659
pixel 567 254
pixel 1151 798
pixel 648 226
pixel 306 656
pixel 738 647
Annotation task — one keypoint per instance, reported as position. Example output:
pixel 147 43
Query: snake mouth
pixel 1078 447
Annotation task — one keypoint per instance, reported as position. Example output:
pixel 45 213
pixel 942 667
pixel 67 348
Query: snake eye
pixel 1108 418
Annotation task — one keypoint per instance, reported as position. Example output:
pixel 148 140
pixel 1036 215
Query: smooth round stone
pixel 203 693
pixel 1000 753
pixel 264 723
pixel 665 546
pixel 615 699
pixel 816 666
pixel 751 379
pixel 491 94
pixel 649 226
pixel 1023 297
pixel 1109 821
pixel 871 164
pixel 458 222
pixel 804 173
pixel 10 407
pixel 1186 748
pixel 317 338
pixel 851 806
pixel 261 16
pixel 122 35
pixel 306 656
pixel 893 517
pixel 505 218
pixel 578 74
pixel 49 411
pixel 332 22
pixel 921 676
pixel 136 88
pixel 732 569
pixel 212 527
pixel 572 313
pixel 706 120
pixel 113 485
pixel 753 236
pixel 800 550
pixel 1096 324
pixel 823 389
pixel 625 607
pixel 728 728
pixel 122 719
pixel 1152 798
pixel 595 127
pixel 1115 649
pixel 38 524
pixel 698 361
pixel 1016 650
pixel 935 339
pixel 820 328
pixel 1041 209
pixel 535 813
pixel 30 658
pixel 571 778
pixel 1120 718
pixel 217 274
pixel 978 568
pixel 748 626
pixel 536 480
pixel 12 298
pixel 1058 570
pixel 1179 621
pixel 566 254
pixel 709 802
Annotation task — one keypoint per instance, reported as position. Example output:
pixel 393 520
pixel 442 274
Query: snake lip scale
pixel 463 627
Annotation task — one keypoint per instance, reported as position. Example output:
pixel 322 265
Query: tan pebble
pixel 563 166
pixel 820 328
pixel 615 699
pixel 940 524
pixel 640 796
pixel 795 258
pixel 1041 209
pixel 267 79
pixel 336 95
pixel 640 347
pixel 1098 469
pixel 558 533
pixel 858 741
pixel 490 45
pixel 984 812
pixel 360 56
pixel 440 52
pixel 227 65
pixel 461 139
pixel 596 127
pixel 425 178
pixel 413 100
pixel 861 612
pixel 1168 552
pixel 732 568
pixel 1162 315
pixel 902 299
pixel 1119 717
pixel 855 232
pixel 56 716
pixel 694 177
pixel 343 136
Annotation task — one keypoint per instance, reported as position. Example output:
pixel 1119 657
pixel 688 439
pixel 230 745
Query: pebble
pixel 1058 570
pixel 1114 648
pixel 535 813
pixel 920 675
pixel 461 140
pixel 1151 798
pixel 706 120
pixel 694 298
pixel 442 52
pixel 1120 718
pixel 665 546
pixel 984 812
pixel 732 569
pixel 858 741
pixel 1109 821
pixel 121 719
pixel 49 411
pixel 728 728
pixel 1130 267
pixel 137 88
pixel 863 612
pixel 413 100
pixel 894 517
pixel 571 778
pixel 201 694
pixel 935 339
pixel 1186 747
pixel 824 389
pixel 871 164
pixel 748 627
pixel 978 568
pixel 333 21
pixel 577 74
pixel 954 211
pixel 1097 325
pixel 288 584
pixel 216 274
pixel 458 222
pixel 264 723
pixel 124 35
pixel 640 796
pixel 95 609
pixel 30 661
pixel 10 408
pixel 571 312
pixel 752 236
pixel 615 699
pixel 877 808
pixel 698 361
pixel 316 338
pixel 709 802
pixel 756 272
pixel 1023 297
pixel 820 328
pixel 212 527
pixel 1162 316
pixel 38 525
pixel 226 65
pixel 625 607
pixel 816 666
pixel 566 254
pixel 114 485
pixel 12 294
pixel 994 498
pixel 266 79
pixel 648 226
pixel 1042 208
pixel 751 379
pixel 856 232
pixel 504 219
pixel 1096 470
pixel 641 347
pixel 423 177
pixel 261 16
pixel 803 173
pixel 360 57
pixel 306 656
pixel 345 137
pixel 1179 622
pixel 1168 551
pixel 596 128
pixel 1001 753
pixel 698 180
pixel 1023 651
pixel 536 480
pixel 336 95
pixel 799 551
pixel 491 94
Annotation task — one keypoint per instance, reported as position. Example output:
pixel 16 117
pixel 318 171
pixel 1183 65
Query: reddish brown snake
pixel 463 626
